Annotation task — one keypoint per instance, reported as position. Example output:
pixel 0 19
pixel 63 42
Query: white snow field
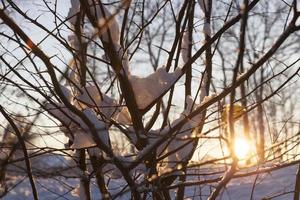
pixel 278 184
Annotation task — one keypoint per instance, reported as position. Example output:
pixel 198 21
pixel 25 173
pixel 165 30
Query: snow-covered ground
pixel 268 185
pixel 277 185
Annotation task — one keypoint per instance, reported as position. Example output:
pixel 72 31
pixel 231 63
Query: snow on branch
pixel 147 89
pixel 108 106
pixel 203 5
pixel 185 46
pixel 107 23
pixel 175 150
pixel 207 29
pixel 179 155
pixel 81 136
pixel 74 9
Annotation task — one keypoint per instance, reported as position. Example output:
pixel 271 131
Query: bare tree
pixel 139 88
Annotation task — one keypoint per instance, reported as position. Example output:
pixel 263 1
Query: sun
pixel 242 148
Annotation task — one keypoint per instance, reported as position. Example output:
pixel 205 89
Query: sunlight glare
pixel 241 148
